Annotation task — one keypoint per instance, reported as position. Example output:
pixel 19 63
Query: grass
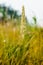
pixel 17 51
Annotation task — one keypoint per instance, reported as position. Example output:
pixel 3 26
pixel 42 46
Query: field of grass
pixel 15 50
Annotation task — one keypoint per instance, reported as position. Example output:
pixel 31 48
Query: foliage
pixel 18 50
pixel 7 11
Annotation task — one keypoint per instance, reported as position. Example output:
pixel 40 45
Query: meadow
pixel 16 49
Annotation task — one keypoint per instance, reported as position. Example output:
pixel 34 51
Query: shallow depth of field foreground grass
pixel 20 43
pixel 15 50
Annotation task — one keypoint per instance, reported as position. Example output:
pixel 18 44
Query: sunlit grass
pixel 17 51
